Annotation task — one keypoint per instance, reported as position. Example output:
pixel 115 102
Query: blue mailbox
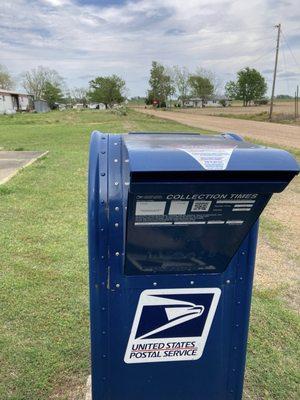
pixel 173 221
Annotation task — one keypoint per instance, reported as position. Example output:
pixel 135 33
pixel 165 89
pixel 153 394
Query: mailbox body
pixel 173 222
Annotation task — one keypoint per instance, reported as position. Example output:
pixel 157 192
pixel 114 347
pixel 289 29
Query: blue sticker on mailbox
pixel 171 324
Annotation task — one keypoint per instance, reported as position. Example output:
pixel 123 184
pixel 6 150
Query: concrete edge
pixel 88 395
pixel 31 161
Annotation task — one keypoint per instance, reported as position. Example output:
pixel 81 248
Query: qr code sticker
pixel 201 206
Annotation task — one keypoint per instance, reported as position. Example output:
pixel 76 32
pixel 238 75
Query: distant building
pixel 78 106
pixel 61 106
pixel 41 106
pixel 96 106
pixel 198 102
pixel 11 102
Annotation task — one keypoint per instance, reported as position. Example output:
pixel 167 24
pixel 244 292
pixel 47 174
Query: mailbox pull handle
pixel 229 135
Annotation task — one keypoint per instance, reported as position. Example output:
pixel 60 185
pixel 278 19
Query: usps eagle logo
pixel 171 324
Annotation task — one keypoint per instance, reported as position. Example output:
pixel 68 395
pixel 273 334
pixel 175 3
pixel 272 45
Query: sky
pixel 82 39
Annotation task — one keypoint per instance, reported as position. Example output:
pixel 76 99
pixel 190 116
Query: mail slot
pixel 173 223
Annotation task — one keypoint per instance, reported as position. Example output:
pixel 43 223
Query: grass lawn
pixel 44 333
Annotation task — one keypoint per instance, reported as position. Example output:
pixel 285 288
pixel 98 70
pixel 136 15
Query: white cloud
pixel 57 3
pixel 87 40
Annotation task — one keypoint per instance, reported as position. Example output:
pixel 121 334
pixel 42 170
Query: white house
pixel 198 102
pixel 96 106
pixel 11 102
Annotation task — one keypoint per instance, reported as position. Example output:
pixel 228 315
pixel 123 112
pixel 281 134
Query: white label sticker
pixel 150 208
pixel 200 206
pixel 171 325
pixel 214 158
pixel 178 207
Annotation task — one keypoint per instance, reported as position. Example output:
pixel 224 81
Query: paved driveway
pixel 12 161
pixel 271 133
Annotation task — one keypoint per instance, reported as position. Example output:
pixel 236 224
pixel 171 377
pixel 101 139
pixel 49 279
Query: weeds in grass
pixel 4 190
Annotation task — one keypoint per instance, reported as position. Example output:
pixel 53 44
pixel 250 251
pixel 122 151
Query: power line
pixel 264 55
pixel 288 46
pixel 287 81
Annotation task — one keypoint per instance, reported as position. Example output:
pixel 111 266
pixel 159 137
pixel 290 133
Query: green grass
pixel 293 150
pixel 263 116
pixel 273 350
pixel 44 336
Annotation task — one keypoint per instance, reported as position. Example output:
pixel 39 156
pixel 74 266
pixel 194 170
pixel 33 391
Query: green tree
pixel 201 86
pixel 231 90
pixel 108 90
pixel 6 81
pixel 249 86
pixel 161 85
pixel 52 94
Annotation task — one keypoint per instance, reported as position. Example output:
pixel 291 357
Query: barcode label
pixel 201 206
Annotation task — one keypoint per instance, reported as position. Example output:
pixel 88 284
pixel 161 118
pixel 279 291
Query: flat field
pixel 283 112
pixel 44 334
pixel 280 107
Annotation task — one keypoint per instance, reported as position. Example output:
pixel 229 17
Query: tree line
pixel 165 83
pixel 177 81
pixel 46 84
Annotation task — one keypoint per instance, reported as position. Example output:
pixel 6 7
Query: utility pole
pixel 275 70
pixel 297 101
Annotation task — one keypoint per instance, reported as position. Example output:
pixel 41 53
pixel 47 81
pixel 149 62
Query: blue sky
pixel 85 38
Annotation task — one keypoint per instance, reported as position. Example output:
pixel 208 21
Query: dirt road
pixel 271 133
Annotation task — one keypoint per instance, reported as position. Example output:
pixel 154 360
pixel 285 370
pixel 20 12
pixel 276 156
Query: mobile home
pixel 198 102
pixel 11 102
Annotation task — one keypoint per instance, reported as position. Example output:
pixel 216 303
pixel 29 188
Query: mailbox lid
pixel 149 152
pixel 233 180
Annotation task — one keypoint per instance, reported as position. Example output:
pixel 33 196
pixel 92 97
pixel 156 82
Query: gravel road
pixel 271 133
